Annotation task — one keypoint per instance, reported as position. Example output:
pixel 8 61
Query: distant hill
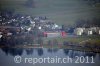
pixel 59 11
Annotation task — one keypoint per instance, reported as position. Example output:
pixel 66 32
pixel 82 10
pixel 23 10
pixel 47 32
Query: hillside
pixel 59 11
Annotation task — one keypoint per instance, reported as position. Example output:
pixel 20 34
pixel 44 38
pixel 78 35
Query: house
pixel 0 35
pixel 90 32
pixel 87 31
pixel 79 31
pixel 99 32
pixel 93 30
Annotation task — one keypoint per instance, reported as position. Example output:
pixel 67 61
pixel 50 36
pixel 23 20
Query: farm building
pixel 54 34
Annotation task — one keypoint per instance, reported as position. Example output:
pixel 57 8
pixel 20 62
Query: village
pixel 12 24
pixel 24 30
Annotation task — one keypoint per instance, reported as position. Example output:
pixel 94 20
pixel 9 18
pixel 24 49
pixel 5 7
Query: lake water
pixel 7 56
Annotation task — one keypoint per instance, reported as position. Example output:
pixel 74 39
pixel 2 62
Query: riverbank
pixel 79 43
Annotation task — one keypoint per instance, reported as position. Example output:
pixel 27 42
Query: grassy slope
pixel 90 39
pixel 60 11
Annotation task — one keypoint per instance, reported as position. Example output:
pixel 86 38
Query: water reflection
pixel 19 51
pixel 12 51
pixel 90 54
pixel 40 51
pixel 29 51
pixel 66 51
pixel 52 50
pixel 99 56
pixel 73 53
pixel 44 51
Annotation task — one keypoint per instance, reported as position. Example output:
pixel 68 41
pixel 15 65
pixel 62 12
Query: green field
pixel 77 40
pixel 59 11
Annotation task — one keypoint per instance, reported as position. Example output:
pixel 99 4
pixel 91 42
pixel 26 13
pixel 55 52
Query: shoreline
pixel 75 48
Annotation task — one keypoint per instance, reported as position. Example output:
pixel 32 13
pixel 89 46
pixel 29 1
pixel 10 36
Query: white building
pixel 90 32
pixel 79 31
pixel 99 32
pixel 0 36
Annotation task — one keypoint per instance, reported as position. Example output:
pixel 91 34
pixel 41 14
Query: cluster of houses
pixel 19 24
pixel 87 31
